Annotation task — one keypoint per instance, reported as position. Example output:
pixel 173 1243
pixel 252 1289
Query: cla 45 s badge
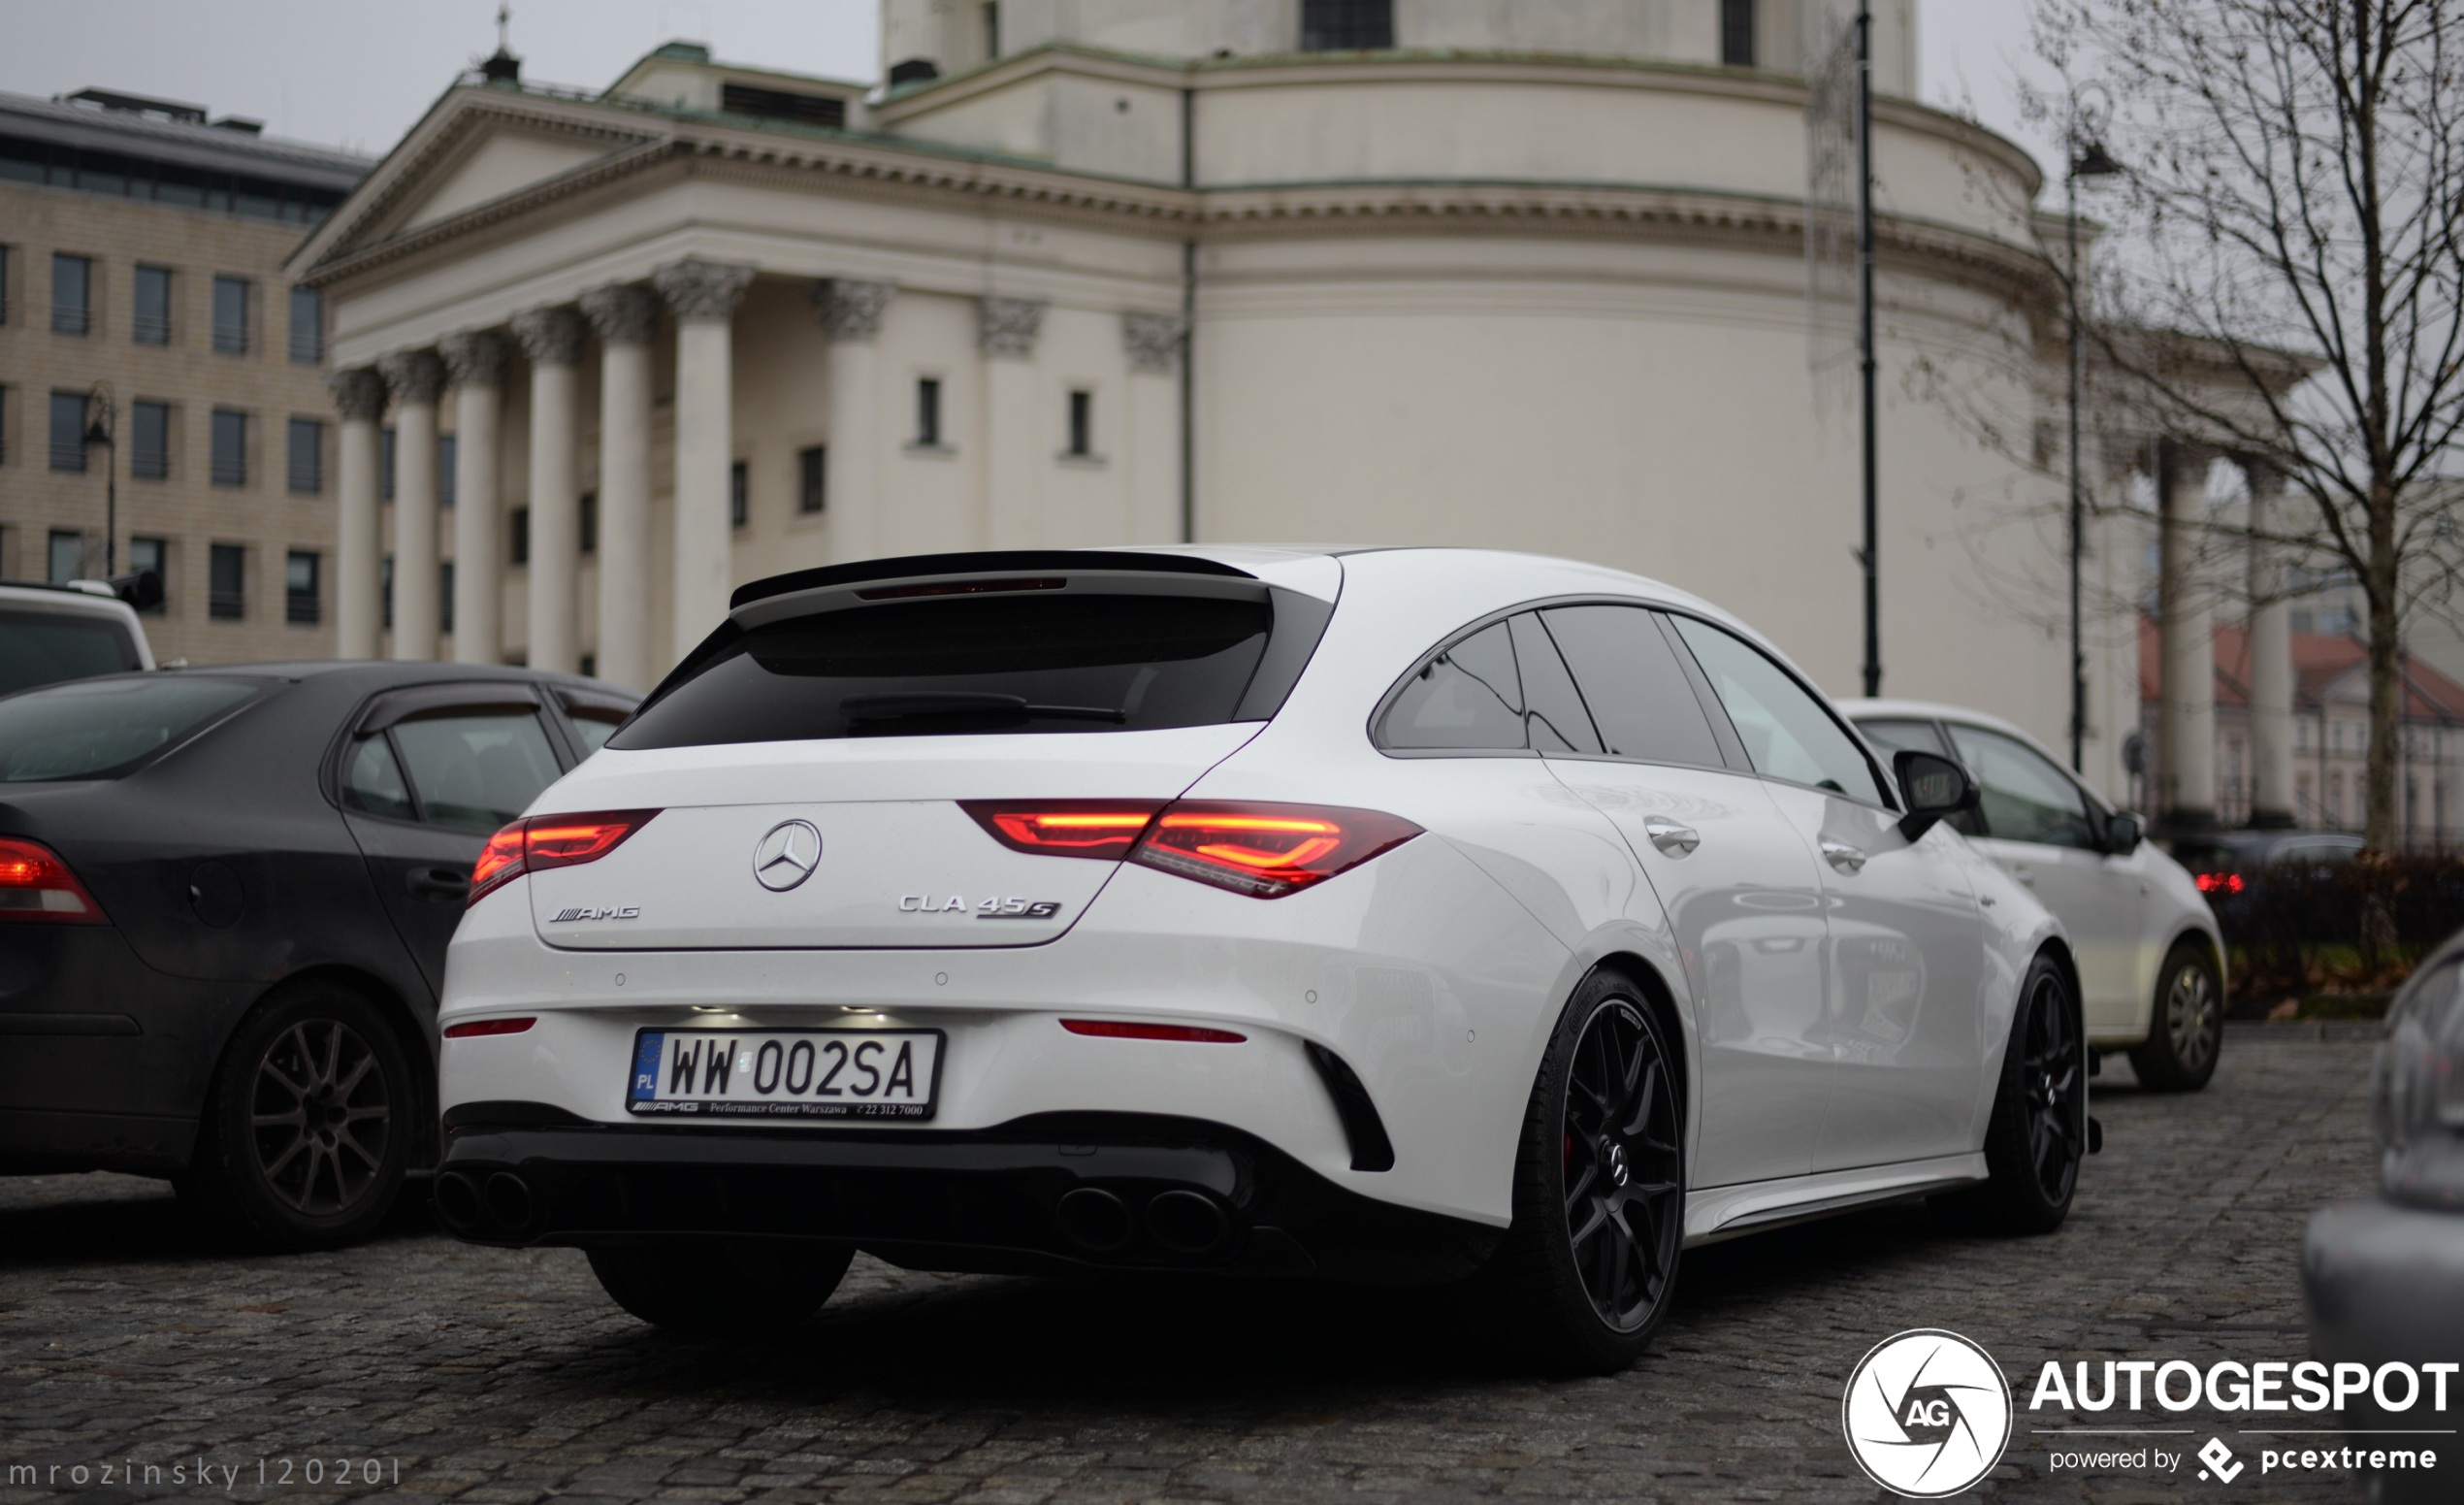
pixel 983 909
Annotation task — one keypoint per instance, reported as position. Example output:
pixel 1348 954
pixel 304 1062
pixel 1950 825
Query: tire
pixel 2038 1132
pixel 308 1125
pixel 2186 1031
pixel 722 1288
pixel 1589 1266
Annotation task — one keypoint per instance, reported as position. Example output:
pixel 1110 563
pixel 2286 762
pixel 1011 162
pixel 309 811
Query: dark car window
pixel 1552 707
pixel 1639 694
pixel 373 780
pixel 2025 797
pixel 1787 733
pixel 592 726
pixel 1058 662
pixel 1468 699
pixel 104 729
pixel 474 772
pixel 46 647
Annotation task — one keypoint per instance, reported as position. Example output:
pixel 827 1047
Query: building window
pixel 230 458
pixel 307 457
pixel 928 412
pixel 1082 423
pixel 68 556
pixel 1736 33
pixel 385 464
pixel 447 453
pixel 152 554
pixel 991 28
pixel 444 595
pixel 812 473
pixel 385 590
pixel 68 431
pixel 301 602
pixel 151 320
pixel 227 582
pixel 4 284
pixel 519 553
pixel 307 325
pixel 739 502
pixel 589 522
pixel 72 294
pixel 823 109
pixel 1347 25
pixel 231 315
pixel 150 441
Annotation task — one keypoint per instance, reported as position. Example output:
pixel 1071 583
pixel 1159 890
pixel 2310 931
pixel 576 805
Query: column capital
pixel 551 337
pixel 1008 326
pixel 706 290
pixel 414 375
pixel 1152 340
pixel 850 309
pixel 474 358
pixel 626 313
pixel 359 394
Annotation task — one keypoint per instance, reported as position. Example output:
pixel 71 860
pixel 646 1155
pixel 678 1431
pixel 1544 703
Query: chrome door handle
pixel 1840 855
pixel 1669 836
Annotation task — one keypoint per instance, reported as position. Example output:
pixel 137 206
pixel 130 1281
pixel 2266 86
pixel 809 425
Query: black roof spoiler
pixel 980 562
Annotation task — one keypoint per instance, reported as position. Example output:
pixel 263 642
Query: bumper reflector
pixel 473 1028
pixel 1122 1029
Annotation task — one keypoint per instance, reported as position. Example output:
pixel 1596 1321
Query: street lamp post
pixel 101 428
pixel 2087 158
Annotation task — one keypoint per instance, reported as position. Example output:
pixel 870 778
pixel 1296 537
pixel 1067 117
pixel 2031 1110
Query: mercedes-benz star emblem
pixel 787 855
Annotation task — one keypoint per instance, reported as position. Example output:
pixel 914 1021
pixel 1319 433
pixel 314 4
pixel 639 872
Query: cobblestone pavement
pixel 485 1376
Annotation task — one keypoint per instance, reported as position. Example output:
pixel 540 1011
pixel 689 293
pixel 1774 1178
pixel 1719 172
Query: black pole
pixel 1189 324
pixel 1871 556
pixel 2078 502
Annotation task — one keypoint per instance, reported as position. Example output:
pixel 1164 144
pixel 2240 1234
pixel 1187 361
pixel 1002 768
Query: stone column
pixel 2270 648
pixel 1017 440
pixel 476 363
pixel 416 378
pixel 703 294
pixel 1155 343
pixel 626 318
pixel 552 337
pixel 2185 618
pixel 358 573
pixel 851 314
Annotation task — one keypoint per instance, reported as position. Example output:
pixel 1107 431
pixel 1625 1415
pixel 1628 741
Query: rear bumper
pixel 1047 1194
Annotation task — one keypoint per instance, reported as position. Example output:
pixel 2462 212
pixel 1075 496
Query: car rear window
pixel 107 728
pixel 1007 663
pixel 46 647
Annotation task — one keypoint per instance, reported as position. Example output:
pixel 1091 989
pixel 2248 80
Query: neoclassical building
pixel 1083 272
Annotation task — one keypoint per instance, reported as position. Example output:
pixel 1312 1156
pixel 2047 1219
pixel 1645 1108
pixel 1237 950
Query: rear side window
pixel 104 729
pixel 950 665
pixel 1468 699
pixel 1639 694
pixel 43 647
pixel 468 773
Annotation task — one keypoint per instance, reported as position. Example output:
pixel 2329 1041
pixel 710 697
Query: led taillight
pixel 1263 850
pixel 545 842
pixel 478 1028
pixel 36 887
pixel 1123 1029
pixel 1103 828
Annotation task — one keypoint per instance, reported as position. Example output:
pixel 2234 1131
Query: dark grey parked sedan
pixel 224 901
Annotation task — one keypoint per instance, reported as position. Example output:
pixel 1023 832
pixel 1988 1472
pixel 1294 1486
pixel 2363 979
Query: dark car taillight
pixel 36 887
pixel 2219 882
pixel 544 841
pixel 1264 850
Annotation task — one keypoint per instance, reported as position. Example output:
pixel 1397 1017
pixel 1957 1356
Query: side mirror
pixel 1932 787
pixel 2123 832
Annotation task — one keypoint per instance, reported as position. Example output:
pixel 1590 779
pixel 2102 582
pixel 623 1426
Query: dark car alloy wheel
pixel 2051 1081
pixel 320 1117
pixel 1621 1165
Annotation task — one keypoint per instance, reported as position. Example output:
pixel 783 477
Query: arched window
pixel 1347 25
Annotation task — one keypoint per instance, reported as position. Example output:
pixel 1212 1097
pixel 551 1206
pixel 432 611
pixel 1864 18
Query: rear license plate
pixel 785 1073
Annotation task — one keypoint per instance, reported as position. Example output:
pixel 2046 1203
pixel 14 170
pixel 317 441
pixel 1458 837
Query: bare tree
pixel 2295 187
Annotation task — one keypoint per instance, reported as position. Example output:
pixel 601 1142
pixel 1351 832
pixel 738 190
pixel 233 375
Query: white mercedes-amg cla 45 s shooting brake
pixel 1411 915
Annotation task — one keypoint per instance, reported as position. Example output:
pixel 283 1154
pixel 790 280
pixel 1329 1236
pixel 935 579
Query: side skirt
pixel 1715 1213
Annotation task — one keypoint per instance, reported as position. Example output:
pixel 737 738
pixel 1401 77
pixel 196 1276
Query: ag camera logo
pixel 1927 1414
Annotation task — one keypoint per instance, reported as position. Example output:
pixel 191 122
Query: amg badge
pixel 608 912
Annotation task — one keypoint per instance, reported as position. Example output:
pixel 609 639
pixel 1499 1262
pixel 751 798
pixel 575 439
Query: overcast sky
pixel 358 72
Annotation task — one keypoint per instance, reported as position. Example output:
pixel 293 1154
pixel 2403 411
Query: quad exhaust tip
pixel 1181 1222
pixel 1094 1219
pixel 502 1204
pixel 1186 1223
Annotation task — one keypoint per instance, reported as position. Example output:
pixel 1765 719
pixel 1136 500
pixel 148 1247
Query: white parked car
pixel 50 633
pixel 2151 958
pixel 1388 915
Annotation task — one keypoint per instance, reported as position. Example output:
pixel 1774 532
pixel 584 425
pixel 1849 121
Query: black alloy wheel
pixel 2038 1131
pixel 1621 1173
pixel 1589 1266
pixel 308 1128
pixel 2186 1031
